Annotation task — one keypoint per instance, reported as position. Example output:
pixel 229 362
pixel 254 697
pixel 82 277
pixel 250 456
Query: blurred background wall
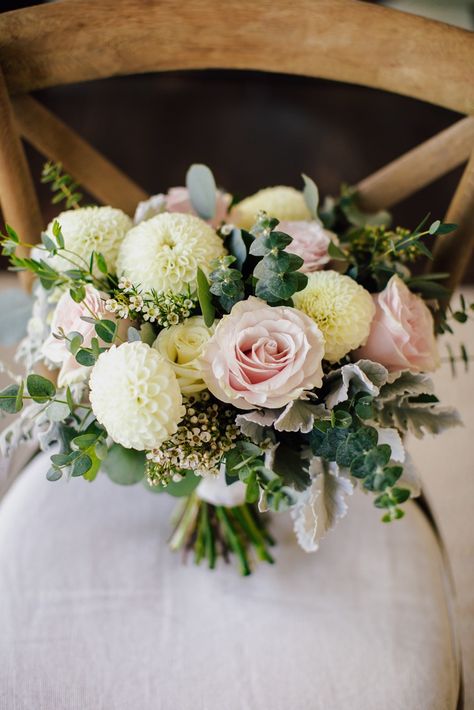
pixel 253 129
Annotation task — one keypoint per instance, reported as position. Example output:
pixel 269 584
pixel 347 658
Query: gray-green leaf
pixel 202 190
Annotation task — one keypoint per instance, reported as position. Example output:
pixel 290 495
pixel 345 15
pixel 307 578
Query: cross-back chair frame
pixel 344 40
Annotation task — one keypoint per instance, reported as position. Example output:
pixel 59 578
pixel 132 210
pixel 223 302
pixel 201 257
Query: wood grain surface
pixel 344 40
pixel 17 194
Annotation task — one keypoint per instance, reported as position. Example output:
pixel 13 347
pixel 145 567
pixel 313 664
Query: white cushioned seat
pixel 97 614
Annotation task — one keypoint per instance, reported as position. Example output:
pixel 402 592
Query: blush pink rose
pixel 67 316
pixel 260 356
pixel 310 241
pixel 177 200
pixel 402 331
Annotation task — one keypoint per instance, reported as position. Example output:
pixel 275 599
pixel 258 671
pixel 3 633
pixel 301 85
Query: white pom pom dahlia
pixel 89 229
pixel 284 203
pixel 135 395
pixel 342 309
pixel 164 252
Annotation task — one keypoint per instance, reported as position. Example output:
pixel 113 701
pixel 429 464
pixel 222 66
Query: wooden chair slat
pixel 342 40
pixel 17 194
pixel 418 168
pixel 453 252
pixel 55 140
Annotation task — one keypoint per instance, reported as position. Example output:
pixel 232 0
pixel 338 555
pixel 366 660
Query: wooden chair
pixel 323 38
pixel 342 40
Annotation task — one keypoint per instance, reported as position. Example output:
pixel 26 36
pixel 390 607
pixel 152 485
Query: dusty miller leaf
pixel 418 418
pixel 407 383
pixel 322 505
pixel 361 376
pixel 299 415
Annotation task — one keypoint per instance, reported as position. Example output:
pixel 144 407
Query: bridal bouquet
pixel 245 357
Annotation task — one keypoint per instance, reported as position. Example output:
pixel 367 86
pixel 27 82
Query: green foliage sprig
pixel 352 444
pixel 245 461
pixel 75 278
pixel 226 283
pixel 62 185
pixel 276 273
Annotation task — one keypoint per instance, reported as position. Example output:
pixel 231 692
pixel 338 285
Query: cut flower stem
pixel 211 531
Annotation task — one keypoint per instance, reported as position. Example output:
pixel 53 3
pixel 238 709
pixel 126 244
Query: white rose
pixel 182 345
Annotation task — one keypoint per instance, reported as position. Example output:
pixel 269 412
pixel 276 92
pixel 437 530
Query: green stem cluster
pixel 217 531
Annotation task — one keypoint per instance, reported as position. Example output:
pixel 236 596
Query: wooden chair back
pixel 342 40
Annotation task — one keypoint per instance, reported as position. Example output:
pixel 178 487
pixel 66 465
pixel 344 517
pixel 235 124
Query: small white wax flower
pixel 135 395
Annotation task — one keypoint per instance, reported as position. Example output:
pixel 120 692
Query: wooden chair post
pixel 454 251
pixel 17 195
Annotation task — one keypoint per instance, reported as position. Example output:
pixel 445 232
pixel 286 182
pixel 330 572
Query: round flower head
pixel 402 334
pixel 182 345
pixel 342 309
pixel 135 395
pixel 311 242
pixel 283 203
pixel 263 356
pixel 89 229
pixel 164 252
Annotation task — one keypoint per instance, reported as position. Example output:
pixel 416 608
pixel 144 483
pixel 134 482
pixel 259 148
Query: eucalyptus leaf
pixel 311 196
pixel 57 411
pixel 124 466
pixel 202 190
pixel 236 246
pixel 106 330
pixel 54 474
pixel 133 335
pixel 86 358
pixel 9 399
pixel 81 465
pixel 40 388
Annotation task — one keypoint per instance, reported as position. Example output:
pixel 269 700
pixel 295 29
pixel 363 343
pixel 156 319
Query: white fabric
pixel 97 614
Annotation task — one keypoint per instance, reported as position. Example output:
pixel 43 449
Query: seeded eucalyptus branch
pixel 62 185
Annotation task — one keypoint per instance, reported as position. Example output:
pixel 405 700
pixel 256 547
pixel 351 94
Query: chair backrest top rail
pixel 344 40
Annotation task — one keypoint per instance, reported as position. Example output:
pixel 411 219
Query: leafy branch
pixel 61 184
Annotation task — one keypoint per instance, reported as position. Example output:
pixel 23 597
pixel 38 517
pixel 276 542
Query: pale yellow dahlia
pixel 89 229
pixel 164 252
pixel 284 203
pixel 342 309
pixel 135 395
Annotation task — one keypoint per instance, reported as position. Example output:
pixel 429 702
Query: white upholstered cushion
pixel 97 614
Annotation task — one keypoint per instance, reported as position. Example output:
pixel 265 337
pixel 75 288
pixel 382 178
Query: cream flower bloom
pixel 89 229
pixel 284 203
pixel 263 356
pixel 135 395
pixel 164 252
pixel 182 345
pixel 342 309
